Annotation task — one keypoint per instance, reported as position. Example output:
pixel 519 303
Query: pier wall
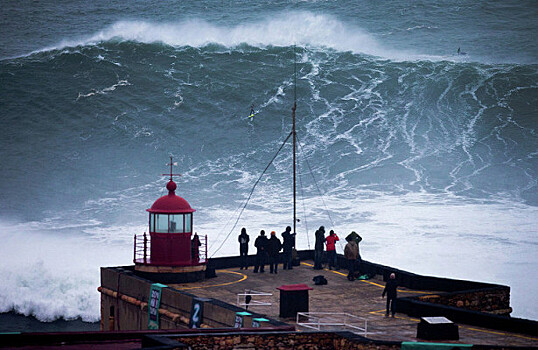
pixel 124 305
pixel 249 338
pixel 284 340
pixel 475 303
pixel 462 294
pixel 421 282
pixel 412 306
pixel 491 300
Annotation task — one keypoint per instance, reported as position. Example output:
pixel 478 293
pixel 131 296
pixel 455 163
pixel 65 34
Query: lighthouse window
pixel 176 223
pixel 171 223
pixel 188 218
pixel 161 223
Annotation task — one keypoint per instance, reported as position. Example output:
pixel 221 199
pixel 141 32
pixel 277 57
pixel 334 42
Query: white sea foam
pixel 278 29
pixel 103 91
pixel 52 275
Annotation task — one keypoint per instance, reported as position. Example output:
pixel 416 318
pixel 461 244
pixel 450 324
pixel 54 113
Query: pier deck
pixel 359 298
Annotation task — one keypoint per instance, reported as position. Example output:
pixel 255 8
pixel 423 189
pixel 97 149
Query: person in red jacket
pixel 331 249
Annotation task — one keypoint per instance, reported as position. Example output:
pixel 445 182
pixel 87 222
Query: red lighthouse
pixel 174 253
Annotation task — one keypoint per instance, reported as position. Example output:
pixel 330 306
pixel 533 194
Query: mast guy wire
pixel 250 194
pixel 315 182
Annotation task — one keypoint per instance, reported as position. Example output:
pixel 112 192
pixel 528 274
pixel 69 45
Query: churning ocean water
pixel 431 156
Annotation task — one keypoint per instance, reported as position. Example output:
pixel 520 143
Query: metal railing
pixel 202 251
pixel 339 320
pixel 142 245
pixel 141 249
pixel 244 300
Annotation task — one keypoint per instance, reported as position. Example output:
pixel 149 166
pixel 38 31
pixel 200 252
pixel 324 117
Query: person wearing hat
pixel 261 245
pixel 351 251
pixel 273 248
pixel 355 236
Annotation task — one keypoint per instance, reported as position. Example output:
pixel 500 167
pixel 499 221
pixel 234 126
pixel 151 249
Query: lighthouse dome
pixel 171 203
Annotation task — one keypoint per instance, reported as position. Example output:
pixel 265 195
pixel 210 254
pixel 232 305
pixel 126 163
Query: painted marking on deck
pixel 370 282
pixel 524 337
pixel 243 277
pixel 483 330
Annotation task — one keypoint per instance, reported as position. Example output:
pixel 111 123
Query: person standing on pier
pixel 243 248
pixel 261 246
pixel 355 237
pixel 392 292
pixel 195 248
pixel 289 243
pixel 274 247
pixel 351 251
pixel 331 239
pixel 318 248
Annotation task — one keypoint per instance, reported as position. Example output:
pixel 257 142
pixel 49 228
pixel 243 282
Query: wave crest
pixel 314 30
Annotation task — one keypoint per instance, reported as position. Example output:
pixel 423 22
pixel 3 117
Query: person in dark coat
pixel 289 243
pixel 391 291
pixel 273 248
pixel 195 248
pixel 318 248
pixel 261 254
pixel 243 248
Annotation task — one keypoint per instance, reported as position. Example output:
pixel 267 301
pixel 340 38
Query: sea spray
pixel 53 275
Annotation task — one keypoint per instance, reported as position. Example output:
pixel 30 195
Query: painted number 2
pixel 195 315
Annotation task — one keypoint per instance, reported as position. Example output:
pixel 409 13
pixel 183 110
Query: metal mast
pixel 294 136
pixel 294 182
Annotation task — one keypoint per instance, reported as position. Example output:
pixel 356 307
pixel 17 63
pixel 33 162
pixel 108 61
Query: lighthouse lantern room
pixel 172 247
